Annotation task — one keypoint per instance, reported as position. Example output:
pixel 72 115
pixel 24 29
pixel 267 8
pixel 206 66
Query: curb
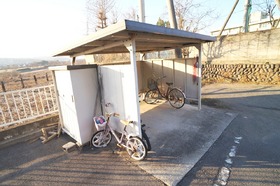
pixel 22 138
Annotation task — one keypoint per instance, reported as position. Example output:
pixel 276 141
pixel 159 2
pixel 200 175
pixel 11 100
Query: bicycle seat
pixel 126 122
pixel 169 84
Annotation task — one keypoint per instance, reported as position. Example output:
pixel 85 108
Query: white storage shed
pixel 118 83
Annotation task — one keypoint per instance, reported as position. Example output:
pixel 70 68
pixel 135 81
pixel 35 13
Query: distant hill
pixel 26 61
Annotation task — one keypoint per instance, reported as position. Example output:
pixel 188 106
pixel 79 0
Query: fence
pixel 27 80
pixel 22 105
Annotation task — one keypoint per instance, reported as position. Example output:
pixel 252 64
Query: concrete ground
pixel 179 139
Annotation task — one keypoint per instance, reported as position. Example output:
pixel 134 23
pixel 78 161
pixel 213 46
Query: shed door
pixel 118 82
pixel 67 104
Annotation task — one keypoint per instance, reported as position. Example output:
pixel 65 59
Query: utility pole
pixel 221 31
pixel 247 12
pixel 173 23
pixel 171 13
pixel 142 10
pixel 142 19
pixel 278 3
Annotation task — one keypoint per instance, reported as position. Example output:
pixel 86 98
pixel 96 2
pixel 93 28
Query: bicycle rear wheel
pixel 101 138
pixel 151 96
pixel 136 148
pixel 146 140
pixel 176 98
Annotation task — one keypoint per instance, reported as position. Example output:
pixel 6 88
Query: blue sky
pixel 38 28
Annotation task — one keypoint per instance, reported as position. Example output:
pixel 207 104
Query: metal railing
pixel 26 104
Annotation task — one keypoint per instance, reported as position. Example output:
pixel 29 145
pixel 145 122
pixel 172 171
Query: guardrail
pixel 21 105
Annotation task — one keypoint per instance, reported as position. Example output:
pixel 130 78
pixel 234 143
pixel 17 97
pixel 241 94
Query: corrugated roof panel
pixel 148 38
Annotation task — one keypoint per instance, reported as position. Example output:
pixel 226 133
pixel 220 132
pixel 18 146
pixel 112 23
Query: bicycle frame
pixel 108 128
pixel 119 140
pixel 164 95
pixel 134 145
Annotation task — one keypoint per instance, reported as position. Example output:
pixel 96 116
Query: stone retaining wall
pixel 242 73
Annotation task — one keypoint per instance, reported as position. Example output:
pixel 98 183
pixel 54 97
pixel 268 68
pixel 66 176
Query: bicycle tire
pixel 176 98
pixel 146 140
pixel 151 96
pixel 136 148
pixel 101 138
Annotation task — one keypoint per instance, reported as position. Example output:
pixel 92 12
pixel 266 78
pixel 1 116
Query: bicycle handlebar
pixel 125 122
pixel 161 78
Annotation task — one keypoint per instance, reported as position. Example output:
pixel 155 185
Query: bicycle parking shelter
pixel 115 84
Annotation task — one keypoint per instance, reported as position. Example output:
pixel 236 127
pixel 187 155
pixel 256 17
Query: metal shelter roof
pixel 147 37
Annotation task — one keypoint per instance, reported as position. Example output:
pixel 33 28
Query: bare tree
pixel 193 16
pixel 131 15
pixel 115 16
pixel 268 7
pixel 97 13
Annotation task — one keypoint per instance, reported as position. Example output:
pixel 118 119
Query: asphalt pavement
pixel 257 159
pixel 190 147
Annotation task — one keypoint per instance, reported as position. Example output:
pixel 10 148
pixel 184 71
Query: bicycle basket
pixel 152 84
pixel 100 122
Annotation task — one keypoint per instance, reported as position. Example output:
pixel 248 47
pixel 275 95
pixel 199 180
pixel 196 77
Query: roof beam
pixel 104 47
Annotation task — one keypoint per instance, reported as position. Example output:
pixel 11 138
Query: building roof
pixel 148 38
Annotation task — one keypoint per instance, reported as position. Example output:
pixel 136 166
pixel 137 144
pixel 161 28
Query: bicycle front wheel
pixel 151 96
pixel 101 138
pixel 136 148
pixel 176 98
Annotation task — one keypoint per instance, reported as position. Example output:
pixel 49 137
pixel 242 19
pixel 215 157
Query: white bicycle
pixel 133 144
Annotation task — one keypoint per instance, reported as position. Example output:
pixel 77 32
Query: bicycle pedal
pixel 119 145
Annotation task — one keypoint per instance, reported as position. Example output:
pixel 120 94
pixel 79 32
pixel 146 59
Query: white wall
pixel 179 71
pixel 117 82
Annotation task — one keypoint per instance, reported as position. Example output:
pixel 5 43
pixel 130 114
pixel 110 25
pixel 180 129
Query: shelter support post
pixel 73 61
pixel 131 47
pixel 199 48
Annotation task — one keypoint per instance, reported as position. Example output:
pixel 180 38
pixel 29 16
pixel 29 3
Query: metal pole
pixel 73 61
pixel 171 13
pixel 142 19
pixel 3 86
pixel 142 10
pixel 131 47
pixel 221 31
pixel 173 23
pixel 278 3
pixel 246 15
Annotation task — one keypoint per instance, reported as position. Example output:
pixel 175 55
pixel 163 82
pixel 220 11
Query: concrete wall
pixel 254 47
pixel 30 130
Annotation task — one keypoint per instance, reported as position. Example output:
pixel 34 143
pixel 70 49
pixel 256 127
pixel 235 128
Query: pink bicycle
pixel 133 144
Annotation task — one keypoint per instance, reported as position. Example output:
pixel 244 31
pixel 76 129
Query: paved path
pixel 257 158
pixel 256 161
pixel 32 163
pixel 179 139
